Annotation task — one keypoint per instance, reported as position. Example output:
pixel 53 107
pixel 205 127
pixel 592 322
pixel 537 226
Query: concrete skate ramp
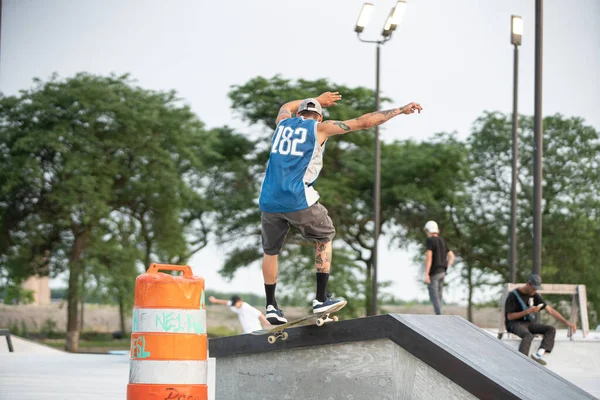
pixel 383 357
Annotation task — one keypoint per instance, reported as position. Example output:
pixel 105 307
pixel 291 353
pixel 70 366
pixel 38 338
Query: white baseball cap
pixel 311 105
pixel 432 227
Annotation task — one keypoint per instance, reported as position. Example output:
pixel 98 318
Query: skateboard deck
pixel 278 331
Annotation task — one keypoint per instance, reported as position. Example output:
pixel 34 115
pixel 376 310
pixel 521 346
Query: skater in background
pixel 521 306
pixel 250 318
pixel 438 257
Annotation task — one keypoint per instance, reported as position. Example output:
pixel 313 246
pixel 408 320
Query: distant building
pixel 40 285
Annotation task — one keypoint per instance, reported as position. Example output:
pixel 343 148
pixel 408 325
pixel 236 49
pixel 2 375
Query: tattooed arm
pixel 330 128
pixel 287 110
pixel 326 99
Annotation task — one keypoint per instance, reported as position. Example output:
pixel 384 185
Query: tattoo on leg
pixel 318 259
pixel 323 257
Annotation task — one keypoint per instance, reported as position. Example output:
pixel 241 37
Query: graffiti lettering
pixel 135 322
pixel 174 394
pixel 169 322
pixel 138 348
pixel 172 322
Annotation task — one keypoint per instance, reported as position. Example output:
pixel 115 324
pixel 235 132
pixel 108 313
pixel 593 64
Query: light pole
pixel 516 33
pixel 538 142
pixel 391 24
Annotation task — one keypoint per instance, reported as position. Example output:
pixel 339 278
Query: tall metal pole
pixel 515 157
pixel 376 190
pixel 0 25
pixel 538 142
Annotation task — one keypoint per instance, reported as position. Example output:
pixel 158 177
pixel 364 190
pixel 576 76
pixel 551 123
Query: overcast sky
pixel 454 57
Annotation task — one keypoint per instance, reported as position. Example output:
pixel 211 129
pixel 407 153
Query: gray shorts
pixel 313 223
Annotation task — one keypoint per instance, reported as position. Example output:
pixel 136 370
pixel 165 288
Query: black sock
pixel 270 294
pixel 322 279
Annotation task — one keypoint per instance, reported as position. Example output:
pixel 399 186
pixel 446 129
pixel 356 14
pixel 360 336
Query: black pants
pixel 525 330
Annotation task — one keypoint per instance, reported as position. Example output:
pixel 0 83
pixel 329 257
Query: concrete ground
pixel 577 359
pixel 63 376
pixel 35 371
pixel 26 346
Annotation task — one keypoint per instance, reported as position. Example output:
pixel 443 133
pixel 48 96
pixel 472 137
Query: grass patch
pixel 90 346
pixel 98 342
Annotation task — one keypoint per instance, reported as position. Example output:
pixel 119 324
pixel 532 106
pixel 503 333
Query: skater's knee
pixel 527 337
pixel 269 261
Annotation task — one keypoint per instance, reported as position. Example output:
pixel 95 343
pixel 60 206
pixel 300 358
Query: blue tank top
pixel 294 165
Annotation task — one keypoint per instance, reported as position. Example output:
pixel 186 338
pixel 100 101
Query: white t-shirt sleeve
pixel 232 308
pixel 253 311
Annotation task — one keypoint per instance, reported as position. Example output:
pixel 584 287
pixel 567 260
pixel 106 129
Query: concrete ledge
pixel 457 349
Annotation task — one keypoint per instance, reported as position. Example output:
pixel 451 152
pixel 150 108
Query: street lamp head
pixel 363 17
pixel 516 30
pixel 398 14
pixel 394 18
pixel 389 27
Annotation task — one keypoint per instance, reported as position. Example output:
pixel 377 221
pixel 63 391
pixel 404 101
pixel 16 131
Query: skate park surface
pixel 384 357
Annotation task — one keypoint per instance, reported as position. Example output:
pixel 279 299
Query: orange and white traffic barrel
pixel 169 354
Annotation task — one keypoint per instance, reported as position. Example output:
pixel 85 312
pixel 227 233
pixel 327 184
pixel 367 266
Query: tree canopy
pixel 96 171
pixel 100 177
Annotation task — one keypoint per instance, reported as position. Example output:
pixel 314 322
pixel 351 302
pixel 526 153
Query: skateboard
pixel 278 331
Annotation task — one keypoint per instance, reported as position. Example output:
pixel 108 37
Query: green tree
pixel 571 197
pixel 345 184
pixel 14 293
pixel 477 224
pixel 80 158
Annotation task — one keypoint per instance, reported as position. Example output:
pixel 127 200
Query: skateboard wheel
pixel 335 318
pixel 284 336
pixel 271 339
pixel 320 322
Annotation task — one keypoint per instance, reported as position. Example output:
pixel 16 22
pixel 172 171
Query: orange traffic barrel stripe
pixel 168 392
pixel 168 346
pixel 168 356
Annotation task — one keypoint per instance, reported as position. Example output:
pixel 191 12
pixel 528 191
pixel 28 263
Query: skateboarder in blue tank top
pixel 288 196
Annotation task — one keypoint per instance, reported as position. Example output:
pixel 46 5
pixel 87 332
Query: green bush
pixel 96 336
pixel 48 329
pixel 15 294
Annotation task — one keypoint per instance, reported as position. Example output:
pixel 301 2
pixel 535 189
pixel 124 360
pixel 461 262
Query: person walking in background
pixel 249 317
pixel 520 306
pixel 438 257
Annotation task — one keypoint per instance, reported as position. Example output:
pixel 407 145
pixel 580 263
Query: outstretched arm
pixel 330 128
pixel 287 110
pixel 562 319
pixel 264 320
pixel 214 300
